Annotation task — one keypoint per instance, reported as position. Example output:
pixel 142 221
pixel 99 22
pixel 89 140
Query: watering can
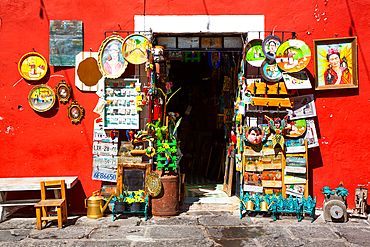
pixel 95 205
pixel 249 205
pixel 265 206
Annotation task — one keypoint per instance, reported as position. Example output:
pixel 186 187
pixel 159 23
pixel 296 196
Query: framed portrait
pixel 41 98
pixel 63 91
pixel 75 112
pixel 336 63
pixel 111 62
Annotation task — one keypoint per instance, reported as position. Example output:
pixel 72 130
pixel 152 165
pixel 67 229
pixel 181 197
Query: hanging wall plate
pixel 270 71
pixel 269 46
pixel 135 49
pixel 253 53
pixel 41 98
pixel 110 59
pixel 297 128
pixel 75 112
pixel 32 66
pixel 153 184
pixel 63 91
pixel 293 55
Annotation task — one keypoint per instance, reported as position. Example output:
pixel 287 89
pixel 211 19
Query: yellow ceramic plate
pixel 32 66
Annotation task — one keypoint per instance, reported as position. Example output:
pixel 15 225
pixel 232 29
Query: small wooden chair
pixel 60 204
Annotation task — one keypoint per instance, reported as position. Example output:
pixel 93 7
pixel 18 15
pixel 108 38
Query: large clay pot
pixel 167 203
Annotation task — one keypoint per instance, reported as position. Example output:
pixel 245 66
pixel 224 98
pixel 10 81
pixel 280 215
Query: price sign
pixel 105 162
pixel 104 174
pixel 105 148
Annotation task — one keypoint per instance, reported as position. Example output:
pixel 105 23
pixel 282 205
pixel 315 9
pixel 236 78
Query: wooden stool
pixel 60 204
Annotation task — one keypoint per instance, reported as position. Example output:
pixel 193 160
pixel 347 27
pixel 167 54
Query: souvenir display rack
pixel 120 111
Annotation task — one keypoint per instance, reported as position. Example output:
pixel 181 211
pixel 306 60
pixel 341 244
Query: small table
pixel 26 184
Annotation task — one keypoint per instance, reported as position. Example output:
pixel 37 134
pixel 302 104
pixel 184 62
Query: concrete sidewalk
pixel 194 228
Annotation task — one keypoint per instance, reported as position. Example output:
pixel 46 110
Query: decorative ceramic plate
pixel 32 66
pixel 298 128
pixel 270 71
pixel 253 53
pixel 269 46
pixel 293 55
pixel 153 184
pixel 41 98
pixel 214 59
pixel 135 49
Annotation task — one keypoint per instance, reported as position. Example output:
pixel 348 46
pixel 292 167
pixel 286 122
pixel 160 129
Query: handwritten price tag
pixel 104 174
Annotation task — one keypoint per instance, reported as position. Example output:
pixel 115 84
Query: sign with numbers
pixel 105 162
pixel 103 136
pixel 105 148
pixel 104 174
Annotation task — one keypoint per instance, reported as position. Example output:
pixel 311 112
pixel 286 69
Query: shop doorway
pixel 208 82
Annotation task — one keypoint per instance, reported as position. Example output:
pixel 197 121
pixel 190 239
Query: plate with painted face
pixel 270 45
pixel 270 71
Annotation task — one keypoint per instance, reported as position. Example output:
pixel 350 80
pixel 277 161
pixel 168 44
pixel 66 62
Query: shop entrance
pixel 208 81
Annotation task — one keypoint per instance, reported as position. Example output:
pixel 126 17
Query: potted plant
pixel 120 204
pixel 136 200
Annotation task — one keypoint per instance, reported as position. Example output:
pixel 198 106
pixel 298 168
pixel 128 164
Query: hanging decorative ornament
pixel 269 46
pixel 63 91
pixel 75 112
pixel 293 55
pixel 111 62
pixel 253 53
pixel 88 71
pixel 270 71
pixel 296 128
pixel 150 151
pixel 153 184
pixel 32 66
pixel 214 59
pixel 41 98
pixel 135 48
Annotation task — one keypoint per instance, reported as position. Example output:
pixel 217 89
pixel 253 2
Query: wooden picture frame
pixel 111 62
pixel 63 91
pixel 75 112
pixel 333 57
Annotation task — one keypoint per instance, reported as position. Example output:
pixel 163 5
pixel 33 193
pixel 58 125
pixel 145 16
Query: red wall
pixel 35 144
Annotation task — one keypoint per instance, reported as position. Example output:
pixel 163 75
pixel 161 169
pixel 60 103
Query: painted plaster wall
pixel 35 144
